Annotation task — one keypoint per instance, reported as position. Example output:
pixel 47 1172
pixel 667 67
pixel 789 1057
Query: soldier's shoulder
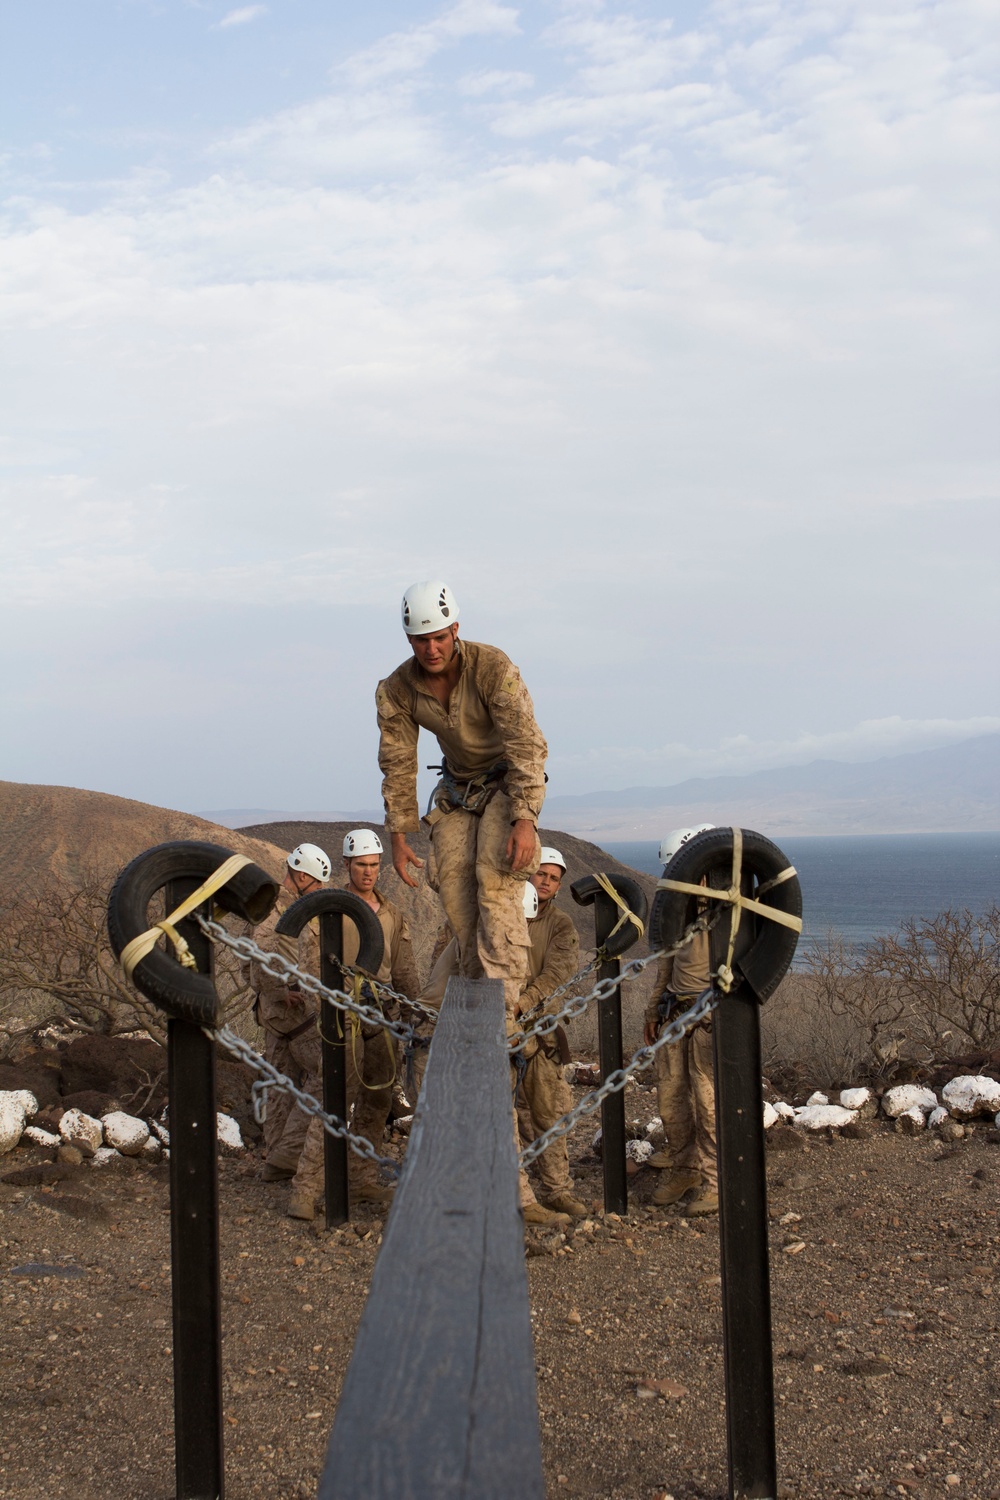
pixel 563 921
pixel 492 668
pixel 396 690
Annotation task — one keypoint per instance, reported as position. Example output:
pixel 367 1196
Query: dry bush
pixel 891 1008
pixel 57 968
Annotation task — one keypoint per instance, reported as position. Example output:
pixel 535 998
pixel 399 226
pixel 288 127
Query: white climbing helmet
pixel 552 857
pixel 677 837
pixel 530 901
pixel 311 860
pixel 428 607
pixel 361 841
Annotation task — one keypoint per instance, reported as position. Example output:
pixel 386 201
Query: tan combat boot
pixel 372 1192
pixel 676 1185
pixel 301 1206
pixel 661 1160
pixel 706 1202
pixel 538 1214
pixel 272 1172
pixel 565 1203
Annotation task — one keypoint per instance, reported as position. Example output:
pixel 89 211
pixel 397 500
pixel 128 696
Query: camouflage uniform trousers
pixel 543 1098
pixel 685 1092
pixel 372 1066
pixel 286 1126
pixel 482 897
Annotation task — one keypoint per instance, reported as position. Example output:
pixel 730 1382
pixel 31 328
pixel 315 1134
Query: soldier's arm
pixel 664 969
pixel 562 959
pixel 403 964
pixel 397 758
pixel 524 744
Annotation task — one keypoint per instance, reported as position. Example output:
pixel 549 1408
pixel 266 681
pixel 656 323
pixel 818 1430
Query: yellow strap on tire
pixel 627 914
pixel 738 902
pixel 140 947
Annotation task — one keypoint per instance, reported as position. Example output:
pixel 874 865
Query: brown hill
pixel 71 833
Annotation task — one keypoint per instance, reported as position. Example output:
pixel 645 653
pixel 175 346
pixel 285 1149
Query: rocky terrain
pixel 884 1263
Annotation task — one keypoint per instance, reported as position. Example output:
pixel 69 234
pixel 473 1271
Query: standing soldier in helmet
pixel 372 1054
pixel 483 826
pixel 288 1015
pixel 484 840
pixel 544 1095
pixel 685 1073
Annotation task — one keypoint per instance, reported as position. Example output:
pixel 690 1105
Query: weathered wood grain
pixel 439 1400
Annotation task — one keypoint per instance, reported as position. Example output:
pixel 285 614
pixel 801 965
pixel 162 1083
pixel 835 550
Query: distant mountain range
pixel 955 789
pixel 952 790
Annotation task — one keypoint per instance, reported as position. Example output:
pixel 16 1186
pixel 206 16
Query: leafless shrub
pixel 57 968
pixel 891 1008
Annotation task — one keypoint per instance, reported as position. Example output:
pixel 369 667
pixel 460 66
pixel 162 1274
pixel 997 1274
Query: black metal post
pixel 194 1239
pixel 746 1284
pixel 333 1029
pixel 609 1043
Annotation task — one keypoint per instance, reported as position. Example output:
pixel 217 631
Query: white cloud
pixel 408 51
pixel 240 17
pixel 695 322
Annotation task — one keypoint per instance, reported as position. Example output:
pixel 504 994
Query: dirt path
pixel 885 1327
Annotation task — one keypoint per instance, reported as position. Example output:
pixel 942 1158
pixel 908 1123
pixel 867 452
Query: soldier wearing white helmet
pixel 288 1015
pixel 372 1054
pixel 483 825
pixel 685 1078
pixel 544 1095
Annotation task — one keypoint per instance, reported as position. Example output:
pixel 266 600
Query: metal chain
pixel 605 987
pixel 283 969
pixel 425 1012
pixel 671 1034
pixel 273 1078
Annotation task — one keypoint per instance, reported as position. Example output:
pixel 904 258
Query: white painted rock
pixel 81 1131
pixel 771 1116
pixel 784 1111
pixel 151 1150
pixel 638 1151
pixel 970 1096
pixel 11 1119
pixel 863 1100
pixel 906 1096
pixel 597 1144
pixel 126 1133
pixel 29 1102
pixel 40 1137
pixel 817 1098
pixel 104 1156
pixel 823 1117
pixel 654 1133
pixel 937 1117
pixel 228 1132
pixel 160 1131
pixel 911 1121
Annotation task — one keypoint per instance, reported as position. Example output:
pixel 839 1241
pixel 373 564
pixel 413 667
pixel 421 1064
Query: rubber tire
pixel 179 992
pixel 711 853
pixel 586 892
pixel 371 938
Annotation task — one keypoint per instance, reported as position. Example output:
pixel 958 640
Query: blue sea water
pixel 863 886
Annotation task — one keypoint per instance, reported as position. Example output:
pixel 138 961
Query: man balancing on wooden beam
pixel 484 822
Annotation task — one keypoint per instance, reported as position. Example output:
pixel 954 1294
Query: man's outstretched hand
pixel 403 855
pixel 521 844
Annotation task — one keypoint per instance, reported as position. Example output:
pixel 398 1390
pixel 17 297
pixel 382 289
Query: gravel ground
pixel 884 1259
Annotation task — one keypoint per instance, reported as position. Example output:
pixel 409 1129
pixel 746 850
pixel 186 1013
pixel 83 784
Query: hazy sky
pixel 665 333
